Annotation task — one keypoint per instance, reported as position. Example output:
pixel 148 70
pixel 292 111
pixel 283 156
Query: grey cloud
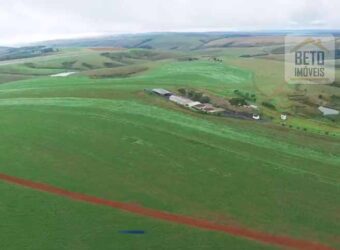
pixel 30 20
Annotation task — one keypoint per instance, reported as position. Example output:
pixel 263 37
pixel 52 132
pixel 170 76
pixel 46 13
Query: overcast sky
pixel 24 21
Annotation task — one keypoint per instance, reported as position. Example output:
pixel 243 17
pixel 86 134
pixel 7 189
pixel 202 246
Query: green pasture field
pixel 33 220
pixel 127 151
pixel 107 137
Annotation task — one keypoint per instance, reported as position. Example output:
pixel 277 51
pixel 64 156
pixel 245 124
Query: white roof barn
pixel 190 105
pixel 328 111
pixel 180 100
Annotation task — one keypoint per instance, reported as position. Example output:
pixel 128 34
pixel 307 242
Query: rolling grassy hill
pixel 127 150
pixel 97 132
pixel 165 41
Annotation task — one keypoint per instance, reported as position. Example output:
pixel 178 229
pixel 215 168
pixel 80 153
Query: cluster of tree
pixel 305 129
pixel 269 105
pixel 297 127
pixel 247 96
pixel 255 55
pixel 238 101
pixel 193 95
pixel 48 50
pixel 68 64
pixel 139 54
pixel 87 65
pixel 189 59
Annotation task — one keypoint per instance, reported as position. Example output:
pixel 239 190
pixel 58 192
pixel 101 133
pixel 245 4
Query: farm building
pixel 328 111
pixel 181 100
pixel 162 92
pixel 256 117
pixel 190 105
pixel 206 107
pixel 283 117
pixel 215 110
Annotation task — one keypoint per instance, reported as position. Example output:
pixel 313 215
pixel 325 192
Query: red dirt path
pixel 282 241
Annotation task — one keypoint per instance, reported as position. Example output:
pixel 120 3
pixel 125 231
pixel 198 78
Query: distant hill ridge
pixel 178 41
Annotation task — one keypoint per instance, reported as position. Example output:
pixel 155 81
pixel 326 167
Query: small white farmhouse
pixel 256 117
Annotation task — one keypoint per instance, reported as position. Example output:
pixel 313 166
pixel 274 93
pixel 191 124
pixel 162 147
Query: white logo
pixel 310 59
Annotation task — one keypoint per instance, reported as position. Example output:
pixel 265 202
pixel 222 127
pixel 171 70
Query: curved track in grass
pixel 282 241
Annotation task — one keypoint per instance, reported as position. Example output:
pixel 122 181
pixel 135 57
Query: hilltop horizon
pixel 211 32
pixel 37 20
